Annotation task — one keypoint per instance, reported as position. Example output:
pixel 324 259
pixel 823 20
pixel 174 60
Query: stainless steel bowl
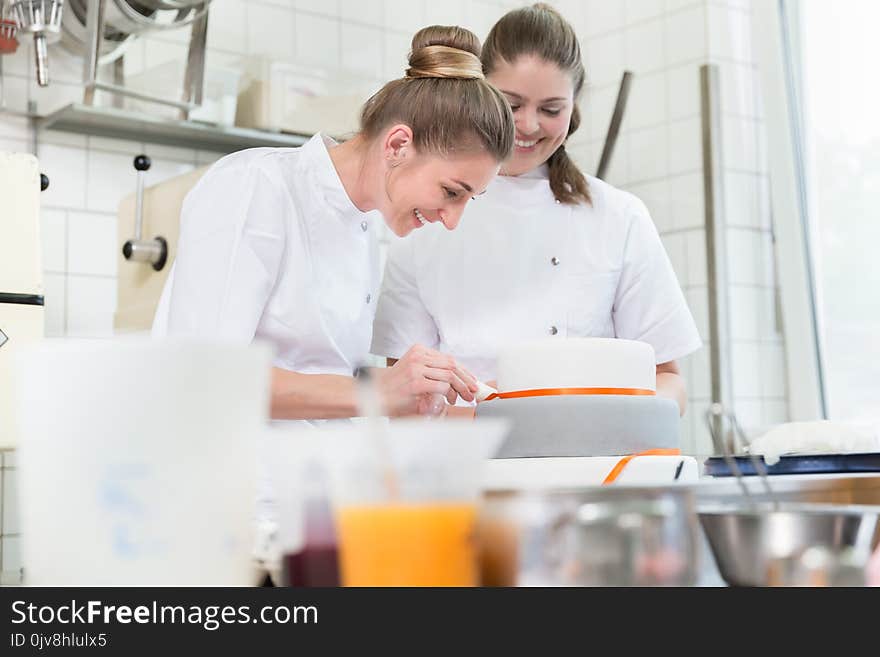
pixel 766 546
pixel 597 536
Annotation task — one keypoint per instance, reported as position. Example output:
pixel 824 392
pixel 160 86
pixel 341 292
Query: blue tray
pixel 805 464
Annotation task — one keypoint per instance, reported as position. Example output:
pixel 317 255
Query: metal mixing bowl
pixel 768 546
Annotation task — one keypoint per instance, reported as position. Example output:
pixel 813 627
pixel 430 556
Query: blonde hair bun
pixel 445 51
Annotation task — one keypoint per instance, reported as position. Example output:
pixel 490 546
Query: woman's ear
pixel 398 143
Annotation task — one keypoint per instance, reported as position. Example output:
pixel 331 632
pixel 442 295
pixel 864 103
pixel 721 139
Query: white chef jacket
pixel 522 266
pixel 271 248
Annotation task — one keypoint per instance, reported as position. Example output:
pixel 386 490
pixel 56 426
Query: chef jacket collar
pixel 326 176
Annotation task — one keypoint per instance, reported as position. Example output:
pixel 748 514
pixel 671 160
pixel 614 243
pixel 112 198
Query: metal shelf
pixel 122 124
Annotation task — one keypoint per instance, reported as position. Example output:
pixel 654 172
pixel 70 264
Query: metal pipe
pixel 614 127
pixel 95 33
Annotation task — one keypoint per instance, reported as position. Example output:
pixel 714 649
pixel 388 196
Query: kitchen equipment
pixel 767 543
pixel 21 273
pixel 614 127
pixel 138 288
pixel 716 466
pixel 42 19
pixel 417 532
pixel 596 536
pixel 154 251
pixel 8 32
pixel 763 546
pixel 137 460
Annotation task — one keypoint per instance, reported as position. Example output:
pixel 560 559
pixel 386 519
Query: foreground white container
pixel 137 461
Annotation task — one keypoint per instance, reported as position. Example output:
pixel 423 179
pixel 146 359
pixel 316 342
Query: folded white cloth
pixel 820 437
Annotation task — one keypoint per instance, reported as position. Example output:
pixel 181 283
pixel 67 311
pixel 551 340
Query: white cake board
pixel 578 471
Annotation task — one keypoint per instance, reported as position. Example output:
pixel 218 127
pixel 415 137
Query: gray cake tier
pixel 585 425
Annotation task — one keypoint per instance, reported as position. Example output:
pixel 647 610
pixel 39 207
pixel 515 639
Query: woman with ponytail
pixel 278 244
pixel 547 251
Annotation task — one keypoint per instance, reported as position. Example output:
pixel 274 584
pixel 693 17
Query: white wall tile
pixel 642 10
pixel 739 143
pixel 773 375
pixel 368 12
pixel 11 524
pixel 741 199
pixel 646 148
pixel 53 235
pixel 324 7
pixel 746 369
pixel 765 301
pixel 698 303
pixel 745 309
pixel 92 244
pixel 55 300
pixel 111 177
pixel 91 302
pixel 405 16
pixel 15 93
pixel 686 36
pixel 362 49
pixel 226 26
pixel 729 34
pixel 686 206
pixel 744 257
pixel 270 31
pixel 618 169
pixel 699 384
pixel 647 102
pixel 605 59
pixel 701 443
pixel 696 256
pixel 683 85
pixel 396 56
pixel 655 195
pixel 602 16
pixel 750 415
pixel 14 145
pixel 317 41
pixel 674 244
pixel 22 62
pixel 12 560
pixel 481 16
pixel 775 412
pixel 685 146
pixel 738 89
pixel 66 168
pixel 644 48
pixel 449 12
pixel 596 110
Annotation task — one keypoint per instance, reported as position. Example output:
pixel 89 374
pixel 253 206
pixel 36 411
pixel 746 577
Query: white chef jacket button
pixel 369 298
pixel 553 330
pixel 558 201
pixel 554 261
pixel 364 226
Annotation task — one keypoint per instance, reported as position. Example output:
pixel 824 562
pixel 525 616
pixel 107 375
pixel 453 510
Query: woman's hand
pixel 418 383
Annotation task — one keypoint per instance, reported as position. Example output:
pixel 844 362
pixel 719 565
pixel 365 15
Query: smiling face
pixel 542 98
pixel 422 188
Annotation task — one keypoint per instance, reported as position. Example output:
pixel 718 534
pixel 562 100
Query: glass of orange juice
pixel 406 501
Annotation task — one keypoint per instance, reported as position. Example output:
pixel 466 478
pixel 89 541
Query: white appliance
pixel 21 284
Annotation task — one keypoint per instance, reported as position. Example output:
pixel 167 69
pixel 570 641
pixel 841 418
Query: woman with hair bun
pixel 547 251
pixel 276 244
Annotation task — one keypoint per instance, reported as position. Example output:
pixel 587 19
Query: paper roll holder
pixel 154 251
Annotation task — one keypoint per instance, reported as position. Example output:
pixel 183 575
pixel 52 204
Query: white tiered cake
pixel 581 397
pixel 577 363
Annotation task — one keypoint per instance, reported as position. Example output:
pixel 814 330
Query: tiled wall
pixel 658 155
pixel 10 538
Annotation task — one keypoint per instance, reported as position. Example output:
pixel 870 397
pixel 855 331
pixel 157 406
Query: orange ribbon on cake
pixel 550 392
pixel 622 463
